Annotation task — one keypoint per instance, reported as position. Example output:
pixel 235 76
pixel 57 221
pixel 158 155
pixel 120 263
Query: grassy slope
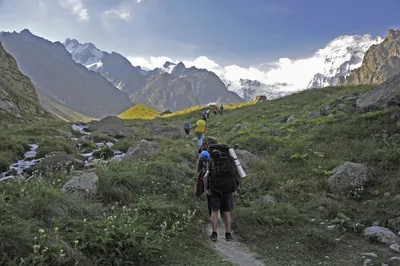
pixel 293 167
pixel 139 111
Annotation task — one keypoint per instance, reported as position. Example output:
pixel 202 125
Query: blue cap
pixel 204 156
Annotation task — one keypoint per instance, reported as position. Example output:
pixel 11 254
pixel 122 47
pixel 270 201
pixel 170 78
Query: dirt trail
pixel 234 251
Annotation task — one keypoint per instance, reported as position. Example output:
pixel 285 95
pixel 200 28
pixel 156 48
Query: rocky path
pixel 235 252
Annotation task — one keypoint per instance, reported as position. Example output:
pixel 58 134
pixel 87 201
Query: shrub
pixel 104 153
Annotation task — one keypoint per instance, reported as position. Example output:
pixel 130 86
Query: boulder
pixel 394 261
pixel 381 235
pixel 384 96
pixel 112 126
pixel 82 182
pixel 245 157
pixel 165 131
pixel 348 176
pixel 140 150
pixel 314 115
pixel 238 127
pixel 166 112
pixel 57 160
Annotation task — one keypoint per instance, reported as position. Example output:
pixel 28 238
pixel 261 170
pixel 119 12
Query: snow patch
pixel 86 54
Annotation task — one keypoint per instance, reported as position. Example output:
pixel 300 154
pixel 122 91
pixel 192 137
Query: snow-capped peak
pixel 340 56
pixel 86 54
pixel 248 89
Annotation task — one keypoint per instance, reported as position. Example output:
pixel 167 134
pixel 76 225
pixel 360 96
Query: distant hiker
pixel 187 128
pixel 204 115
pixel 215 110
pixel 208 113
pixel 200 130
pixel 222 178
pixel 221 109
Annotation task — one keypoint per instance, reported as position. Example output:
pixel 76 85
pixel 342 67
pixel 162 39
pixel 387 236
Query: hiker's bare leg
pixel 214 216
pixel 228 222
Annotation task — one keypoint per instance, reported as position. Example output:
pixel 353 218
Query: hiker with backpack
pixel 200 129
pixel 221 108
pixel 208 113
pixel 202 166
pixel 187 128
pixel 204 115
pixel 215 110
pixel 221 180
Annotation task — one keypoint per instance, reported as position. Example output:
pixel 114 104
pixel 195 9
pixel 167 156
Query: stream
pixel 17 170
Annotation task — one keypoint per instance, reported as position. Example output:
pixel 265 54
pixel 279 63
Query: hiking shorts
pixel 221 202
pixel 209 206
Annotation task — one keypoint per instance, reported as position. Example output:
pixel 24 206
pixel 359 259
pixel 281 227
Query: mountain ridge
pixel 381 62
pixel 120 71
pixel 52 70
pixel 18 98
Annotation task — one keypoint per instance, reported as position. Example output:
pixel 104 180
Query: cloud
pixel 122 13
pixel 151 63
pixel 77 7
pixel 296 72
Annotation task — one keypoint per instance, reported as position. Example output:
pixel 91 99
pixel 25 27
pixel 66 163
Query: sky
pixel 214 33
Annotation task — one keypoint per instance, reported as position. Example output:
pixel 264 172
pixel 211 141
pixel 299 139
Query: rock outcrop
pixel 381 62
pixel 381 235
pixel 245 157
pixel 82 182
pixel 57 161
pixel 18 98
pixel 348 176
pixel 385 95
pixel 113 127
pixel 140 150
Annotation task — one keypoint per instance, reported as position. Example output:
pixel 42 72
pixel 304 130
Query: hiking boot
pixel 228 236
pixel 214 236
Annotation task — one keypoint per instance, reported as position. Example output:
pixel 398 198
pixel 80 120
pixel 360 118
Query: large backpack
pixel 200 126
pixel 224 177
pixel 187 125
